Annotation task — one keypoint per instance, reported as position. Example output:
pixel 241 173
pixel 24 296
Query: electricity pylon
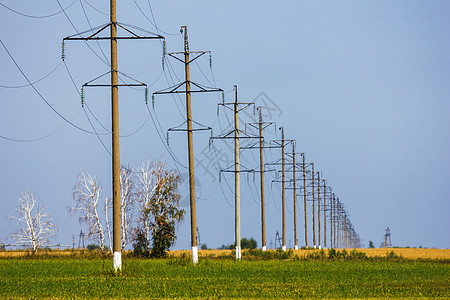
pixel 293 169
pixel 313 204
pixel 234 134
pixel 282 144
pixel 260 145
pixel 188 91
pixel 387 238
pixel 318 204
pixel 304 197
pixel 325 209
pixel 113 25
pixel 295 197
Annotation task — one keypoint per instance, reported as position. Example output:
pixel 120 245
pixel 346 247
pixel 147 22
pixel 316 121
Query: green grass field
pixel 67 278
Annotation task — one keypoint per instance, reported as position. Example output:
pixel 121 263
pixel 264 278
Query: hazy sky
pixel 362 86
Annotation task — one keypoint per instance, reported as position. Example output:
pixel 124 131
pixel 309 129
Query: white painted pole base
pixel 117 261
pixel 296 247
pixel 283 247
pixel 264 248
pixel 194 255
pixel 238 252
pixel 315 246
pixel 320 247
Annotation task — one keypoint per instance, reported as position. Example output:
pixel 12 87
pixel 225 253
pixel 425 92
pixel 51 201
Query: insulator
pixel 164 48
pixel 254 110
pixel 167 138
pixel 247 176
pixel 146 96
pixel 220 176
pixel 82 96
pixel 218 110
pixel 63 51
pixel 210 61
pixel 253 176
pixel 162 63
pixel 212 134
pixel 153 101
pixel 223 97
pixel 210 144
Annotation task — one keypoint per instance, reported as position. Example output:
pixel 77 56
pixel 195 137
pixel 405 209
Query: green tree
pixel 245 244
pixel 371 245
pixel 159 208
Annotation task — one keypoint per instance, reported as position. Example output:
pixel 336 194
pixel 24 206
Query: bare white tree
pixel 108 206
pixel 37 226
pixel 146 187
pixel 127 203
pixel 86 194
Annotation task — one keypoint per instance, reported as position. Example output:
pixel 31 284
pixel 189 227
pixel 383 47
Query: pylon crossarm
pixel 174 89
pixel 198 56
pixel 180 127
pixel 103 27
pixel 173 54
pixel 191 52
pixel 204 88
pixel 127 30
pixel 155 36
pixel 139 83
pixel 72 37
pixel 266 124
pixel 230 135
pixel 246 104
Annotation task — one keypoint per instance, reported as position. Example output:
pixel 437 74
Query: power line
pixel 25 85
pixel 97 10
pixel 96 119
pixel 92 30
pixel 39 94
pixel 96 134
pixel 39 138
pixel 71 23
pixel 38 17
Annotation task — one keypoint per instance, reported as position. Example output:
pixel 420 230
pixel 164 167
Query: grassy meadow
pixel 79 276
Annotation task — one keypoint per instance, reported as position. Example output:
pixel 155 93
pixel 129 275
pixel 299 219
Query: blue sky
pixel 362 86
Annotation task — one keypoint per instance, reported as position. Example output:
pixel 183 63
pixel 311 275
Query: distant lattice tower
pixel 387 238
pixel 81 240
pixel 278 240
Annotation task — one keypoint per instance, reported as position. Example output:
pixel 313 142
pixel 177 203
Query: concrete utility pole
pixel 261 168
pixel 304 198
pixel 313 178
pixel 332 220
pixel 324 213
pixel 237 186
pixel 234 134
pixel 295 197
pixel 188 91
pixel 261 126
pixel 338 224
pixel 193 209
pixel 113 25
pixel 282 143
pixel 117 248
pixel 283 190
pixel 318 205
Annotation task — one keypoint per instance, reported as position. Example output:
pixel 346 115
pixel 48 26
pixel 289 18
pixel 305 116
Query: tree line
pixel 149 207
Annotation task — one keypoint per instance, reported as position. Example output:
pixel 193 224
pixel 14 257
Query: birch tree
pixel 146 187
pixel 86 194
pixel 159 205
pixel 127 202
pixel 127 207
pixel 36 226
